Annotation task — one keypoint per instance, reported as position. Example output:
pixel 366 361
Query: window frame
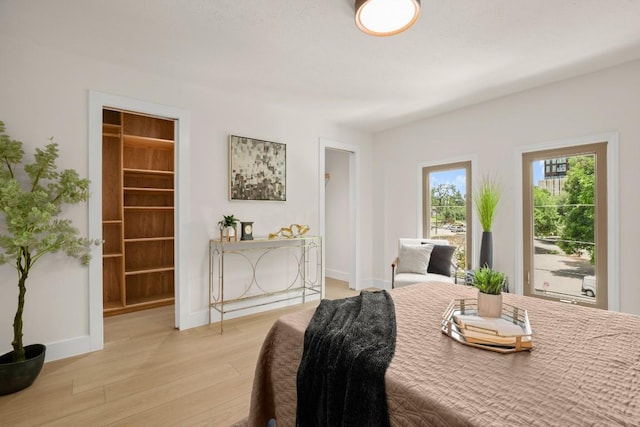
pixel 612 226
pixel 425 202
pixel 599 151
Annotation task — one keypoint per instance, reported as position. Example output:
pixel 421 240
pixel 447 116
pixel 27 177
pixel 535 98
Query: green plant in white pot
pixel 31 200
pixel 489 283
pixel 486 200
pixel 228 227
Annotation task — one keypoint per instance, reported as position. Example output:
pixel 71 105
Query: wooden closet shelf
pixel 112 221
pixel 111 305
pixel 147 171
pixel 148 208
pixel 149 239
pixel 111 255
pixel 147 141
pixel 147 190
pixel 148 270
pixel 111 127
pixel 156 300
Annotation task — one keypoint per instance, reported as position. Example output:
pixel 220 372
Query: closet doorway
pixel 137 211
pixel 136 153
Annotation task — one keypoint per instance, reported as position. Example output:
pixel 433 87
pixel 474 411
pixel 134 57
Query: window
pixel 565 224
pixel 447 206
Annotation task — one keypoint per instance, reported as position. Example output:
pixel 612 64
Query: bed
pixel 583 370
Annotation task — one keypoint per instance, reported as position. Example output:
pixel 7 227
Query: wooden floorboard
pixel 150 374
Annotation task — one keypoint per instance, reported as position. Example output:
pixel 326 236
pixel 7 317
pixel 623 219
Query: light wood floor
pixel 150 374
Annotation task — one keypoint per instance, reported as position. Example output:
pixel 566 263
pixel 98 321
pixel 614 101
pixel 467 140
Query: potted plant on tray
pixel 31 199
pixel 486 200
pixel 228 227
pixel 489 283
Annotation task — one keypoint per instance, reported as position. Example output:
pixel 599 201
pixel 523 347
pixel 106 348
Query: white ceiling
pixel 308 54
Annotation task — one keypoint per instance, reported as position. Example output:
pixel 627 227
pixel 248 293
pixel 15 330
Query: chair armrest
pixel 455 271
pixel 393 272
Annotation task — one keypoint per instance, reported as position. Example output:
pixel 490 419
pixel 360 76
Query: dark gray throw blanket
pixel 348 346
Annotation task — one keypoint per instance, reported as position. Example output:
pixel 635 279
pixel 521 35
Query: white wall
pixel 44 92
pixel 607 101
pixel 337 237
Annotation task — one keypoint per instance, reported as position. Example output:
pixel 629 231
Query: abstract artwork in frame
pixel 257 169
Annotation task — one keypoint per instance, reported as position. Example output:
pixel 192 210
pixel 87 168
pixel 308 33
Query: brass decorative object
pixel 290 232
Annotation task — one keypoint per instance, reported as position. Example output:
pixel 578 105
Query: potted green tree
pixel 489 283
pixel 228 227
pixel 486 200
pixel 31 200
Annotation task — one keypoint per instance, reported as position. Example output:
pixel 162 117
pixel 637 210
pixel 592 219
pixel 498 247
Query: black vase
pixel 16 376
pixel 486 250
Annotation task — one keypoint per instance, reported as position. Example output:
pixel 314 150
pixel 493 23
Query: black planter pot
pixel 16 376
pixel 486 250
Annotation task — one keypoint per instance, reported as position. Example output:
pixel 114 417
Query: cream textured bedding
pixel 584 369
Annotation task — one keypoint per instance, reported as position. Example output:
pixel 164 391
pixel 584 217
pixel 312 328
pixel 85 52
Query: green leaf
pixel 488 281
pixel 486 199
pixel 31 200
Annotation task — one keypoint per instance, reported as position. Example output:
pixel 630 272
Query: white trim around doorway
pixel 98 101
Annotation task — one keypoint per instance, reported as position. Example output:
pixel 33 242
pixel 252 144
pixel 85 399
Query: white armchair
pixel 423 260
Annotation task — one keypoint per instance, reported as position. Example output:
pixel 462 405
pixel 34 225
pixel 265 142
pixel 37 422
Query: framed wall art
pixel 257 169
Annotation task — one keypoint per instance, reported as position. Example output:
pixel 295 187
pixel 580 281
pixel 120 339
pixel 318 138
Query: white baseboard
pixel 364 283
pixel 337 275
pixel 201 317
pixel 81 345
pixel 67 348
pixel 381 284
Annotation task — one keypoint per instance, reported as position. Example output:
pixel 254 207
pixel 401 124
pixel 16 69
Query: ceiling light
pixel 386 17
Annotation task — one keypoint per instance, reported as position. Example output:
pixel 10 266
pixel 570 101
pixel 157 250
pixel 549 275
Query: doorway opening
pixel 174 247
pixel 338 164
pixel 138 233
pixel 336 184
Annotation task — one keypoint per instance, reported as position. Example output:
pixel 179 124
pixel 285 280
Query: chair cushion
pixel 405 279
pixel 414 258
pixel 441 258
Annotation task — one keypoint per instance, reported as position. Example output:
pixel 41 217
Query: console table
pixel 252 273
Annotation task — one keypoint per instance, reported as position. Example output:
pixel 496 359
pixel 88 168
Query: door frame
pixel 353 227
pixel 612 138
pixel 98 101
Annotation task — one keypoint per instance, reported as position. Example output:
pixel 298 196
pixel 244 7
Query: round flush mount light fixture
pixel 386 17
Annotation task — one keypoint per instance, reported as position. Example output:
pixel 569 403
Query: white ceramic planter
pixel 228 234
pixel 489 305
